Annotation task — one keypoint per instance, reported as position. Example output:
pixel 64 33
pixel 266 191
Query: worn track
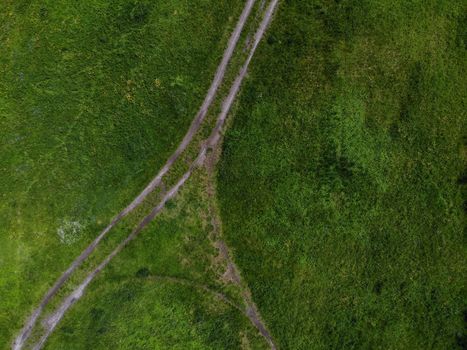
pixel 155 182
pixel 51 323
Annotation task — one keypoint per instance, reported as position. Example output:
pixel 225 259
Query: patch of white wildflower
pixel 69 232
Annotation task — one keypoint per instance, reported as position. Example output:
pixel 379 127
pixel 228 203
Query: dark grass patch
pixel 341 181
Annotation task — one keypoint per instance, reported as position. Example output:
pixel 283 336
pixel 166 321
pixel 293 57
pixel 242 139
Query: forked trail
pixel 210 143
pixel 155 182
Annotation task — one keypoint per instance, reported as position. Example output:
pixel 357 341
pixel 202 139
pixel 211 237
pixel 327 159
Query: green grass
pixel 342 175
pixel 130 307
pixel 94 96
pixel 119 316
pixel 342 184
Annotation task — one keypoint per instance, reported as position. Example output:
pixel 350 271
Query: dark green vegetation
pixel 342 175
pixel 94 96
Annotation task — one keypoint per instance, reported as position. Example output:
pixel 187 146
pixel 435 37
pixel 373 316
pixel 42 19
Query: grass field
pixel 342 175
pixel 342 183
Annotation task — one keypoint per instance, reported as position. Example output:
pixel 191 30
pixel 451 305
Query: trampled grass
pixel 342 175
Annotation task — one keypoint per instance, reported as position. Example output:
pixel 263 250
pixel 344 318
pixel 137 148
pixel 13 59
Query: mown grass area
pixel 94 96
pixel 342 184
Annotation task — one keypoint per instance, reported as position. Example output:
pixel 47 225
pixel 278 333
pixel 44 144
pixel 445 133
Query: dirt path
pixel 210 143
pixel 194 127
pixel 232 273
